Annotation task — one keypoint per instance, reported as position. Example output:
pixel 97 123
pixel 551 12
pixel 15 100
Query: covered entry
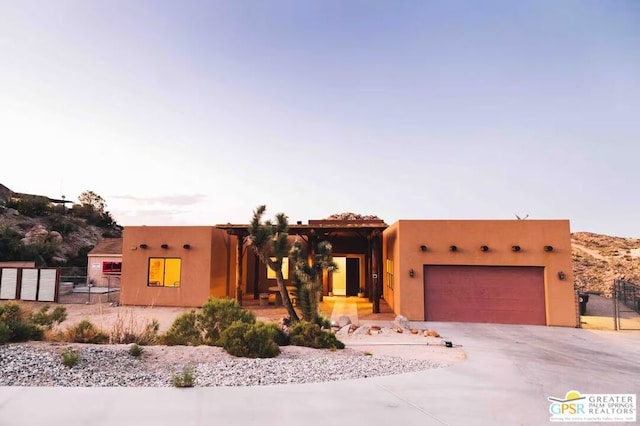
pixel 490 294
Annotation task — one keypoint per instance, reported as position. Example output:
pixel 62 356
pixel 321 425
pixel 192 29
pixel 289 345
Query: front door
pixel 353 276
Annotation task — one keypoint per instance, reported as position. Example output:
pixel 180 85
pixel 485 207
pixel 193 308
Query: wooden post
pixel 256 278
pixel 375 267
pixel 239 259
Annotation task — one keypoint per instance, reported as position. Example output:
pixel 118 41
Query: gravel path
pixel 39 364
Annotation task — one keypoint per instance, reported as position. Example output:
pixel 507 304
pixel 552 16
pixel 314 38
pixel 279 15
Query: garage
pixel 488 294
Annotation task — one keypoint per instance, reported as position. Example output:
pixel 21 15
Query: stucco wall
pixel 468 236
pixel 198 280
pixel 390 252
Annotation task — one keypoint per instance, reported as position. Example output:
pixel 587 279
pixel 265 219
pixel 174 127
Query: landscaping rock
pixel 401 322
pixel 363 330
pixel 344 320
pixel 343 331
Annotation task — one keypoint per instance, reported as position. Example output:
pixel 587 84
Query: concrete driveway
pixel 509 373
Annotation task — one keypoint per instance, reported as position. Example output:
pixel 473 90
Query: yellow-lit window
pixel 164 271
pixel 390 273
pixel 271 274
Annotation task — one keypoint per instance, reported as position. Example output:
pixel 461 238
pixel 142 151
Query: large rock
pixel 344 331
pixel 37 234
pixel 344 320
pixel 363 330
pixel 56 237
pixel 401 322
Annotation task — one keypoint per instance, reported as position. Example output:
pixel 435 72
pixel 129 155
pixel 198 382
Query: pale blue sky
pixel 196 112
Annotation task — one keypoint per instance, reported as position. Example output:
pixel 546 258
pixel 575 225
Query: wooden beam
pixel 239 262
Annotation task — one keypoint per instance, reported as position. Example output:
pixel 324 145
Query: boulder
pixel 37 234
pixel 344 320
pixel 343 331
pixel 55 236
pixel 361 331
pixel 401 322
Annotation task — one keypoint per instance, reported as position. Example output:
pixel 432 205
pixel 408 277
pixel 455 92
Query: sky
pixel 194 113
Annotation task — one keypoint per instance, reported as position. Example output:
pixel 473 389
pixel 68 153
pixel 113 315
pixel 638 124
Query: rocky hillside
pixel 599 259
pixel 42 229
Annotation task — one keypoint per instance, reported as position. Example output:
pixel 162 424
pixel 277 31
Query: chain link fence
pixel 76 289
pixel 626 299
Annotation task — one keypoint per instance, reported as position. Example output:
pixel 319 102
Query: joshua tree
pixel 270 242
pixel 309 276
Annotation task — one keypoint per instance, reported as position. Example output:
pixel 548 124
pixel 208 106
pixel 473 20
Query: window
pixel 164 271
pixel 390 273
pixel 111 267
pixel 271 274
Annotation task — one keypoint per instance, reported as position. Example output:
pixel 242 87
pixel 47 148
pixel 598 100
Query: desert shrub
pixel 323 321
pixel 135 350
pixel 149 335
pixel 62 223
pixel 248 340
pixel 218 314
pixel 45 319
pixel 32 206
pixel 70 357
pixel 127 330
pixel 184 330
pixel 184 379
pixel 304 333
pixel 19 326
pixel 276 333
pixel 4 333
pixel 86 332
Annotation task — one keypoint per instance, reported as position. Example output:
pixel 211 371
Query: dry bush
pixel 85 332
pixel 128 329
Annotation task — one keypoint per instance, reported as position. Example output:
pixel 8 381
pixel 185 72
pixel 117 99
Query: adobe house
pixel 501 271
pixel 104 265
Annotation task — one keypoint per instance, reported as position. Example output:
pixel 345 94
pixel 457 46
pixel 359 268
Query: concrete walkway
pixel 343 306
pixel 509 373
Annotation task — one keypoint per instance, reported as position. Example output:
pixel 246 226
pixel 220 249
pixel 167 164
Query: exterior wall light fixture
pixel 165 246
pixel 412 273
pixel 453 248
pixel 143 246
pixel 186 246
pixel 423 248
pixel 548 248
pixel 484 248
pixel 561 275
pixel 515 248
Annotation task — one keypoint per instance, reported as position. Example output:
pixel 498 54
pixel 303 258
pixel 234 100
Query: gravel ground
pixel 39 364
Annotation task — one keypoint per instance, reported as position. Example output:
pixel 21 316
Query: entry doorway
pixel 346 279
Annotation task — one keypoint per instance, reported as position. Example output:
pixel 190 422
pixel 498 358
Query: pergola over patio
pixel 360 236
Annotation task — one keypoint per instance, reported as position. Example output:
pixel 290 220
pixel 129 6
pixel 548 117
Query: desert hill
pixel 41 229
pixel 599 259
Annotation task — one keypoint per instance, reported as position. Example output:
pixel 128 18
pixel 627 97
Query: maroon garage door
pixel 496 294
